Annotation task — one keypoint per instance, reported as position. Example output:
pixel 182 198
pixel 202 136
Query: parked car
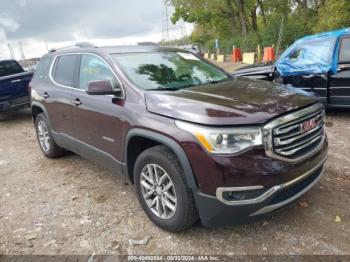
pixel 257 71
pixel 194 141
pixel 13 85
pixel 319 64
pixel 193 48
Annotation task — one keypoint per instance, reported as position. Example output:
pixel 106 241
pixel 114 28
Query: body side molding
pixel 89 152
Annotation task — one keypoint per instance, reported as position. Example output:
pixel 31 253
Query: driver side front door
pixel 96 119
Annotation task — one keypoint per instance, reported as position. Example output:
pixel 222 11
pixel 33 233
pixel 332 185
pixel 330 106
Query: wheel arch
pixel 158 139
pixel 38 108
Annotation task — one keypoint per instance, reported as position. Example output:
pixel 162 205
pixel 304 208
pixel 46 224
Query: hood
pixel 240 101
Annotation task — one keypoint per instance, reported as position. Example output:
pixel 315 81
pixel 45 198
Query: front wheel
pixel 162 190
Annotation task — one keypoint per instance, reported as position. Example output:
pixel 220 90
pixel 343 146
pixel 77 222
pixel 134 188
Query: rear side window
pixel 64 70
pixel 344 54
pixel 43 67
pixel 10 68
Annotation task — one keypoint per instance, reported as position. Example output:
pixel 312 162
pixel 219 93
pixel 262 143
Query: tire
pixel 278 79
pixel 165 162
pixel 49 147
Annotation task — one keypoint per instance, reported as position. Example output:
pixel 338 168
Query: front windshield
pixel 167 70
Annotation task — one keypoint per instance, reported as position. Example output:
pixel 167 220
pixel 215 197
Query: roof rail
pixel 84 44
pixel 77 45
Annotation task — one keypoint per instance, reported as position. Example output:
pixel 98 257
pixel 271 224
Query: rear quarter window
pixel 43 68
pixel 10 68
pixel 65 69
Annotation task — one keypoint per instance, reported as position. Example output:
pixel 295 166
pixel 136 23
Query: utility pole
pixel 165 22
pixel 21 51
pixel 47 46
pixel 12 54
pixel 169 30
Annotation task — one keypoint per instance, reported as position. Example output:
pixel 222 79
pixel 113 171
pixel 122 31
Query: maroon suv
pixel 196 142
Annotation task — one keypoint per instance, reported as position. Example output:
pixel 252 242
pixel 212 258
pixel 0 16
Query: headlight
pixel 223 140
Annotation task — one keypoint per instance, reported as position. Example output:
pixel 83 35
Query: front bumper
pixel 216 211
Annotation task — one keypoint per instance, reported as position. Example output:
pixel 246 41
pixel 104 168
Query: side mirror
pixel 102 87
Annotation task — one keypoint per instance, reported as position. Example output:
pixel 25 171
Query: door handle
pixel 46 95
pixel 77 102
pixel 15 81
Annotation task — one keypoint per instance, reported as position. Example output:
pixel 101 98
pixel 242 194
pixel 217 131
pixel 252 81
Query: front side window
pixel 93 68
pixel 10 68
pixel 295 54
pixel 65 69
pixel 167 70
pixel 344 53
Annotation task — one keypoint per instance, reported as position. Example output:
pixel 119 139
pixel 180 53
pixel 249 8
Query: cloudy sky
pixel 63 22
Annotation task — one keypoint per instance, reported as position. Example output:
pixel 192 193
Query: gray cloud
pixel 63 20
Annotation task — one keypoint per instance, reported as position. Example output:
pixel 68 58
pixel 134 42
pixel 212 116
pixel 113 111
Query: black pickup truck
pixel 14 81
pixel 319 64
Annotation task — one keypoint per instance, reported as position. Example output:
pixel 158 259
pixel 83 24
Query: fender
pixel 42 107
pixel 172 144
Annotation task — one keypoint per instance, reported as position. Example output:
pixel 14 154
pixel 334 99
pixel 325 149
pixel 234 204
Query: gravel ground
pixel 72 206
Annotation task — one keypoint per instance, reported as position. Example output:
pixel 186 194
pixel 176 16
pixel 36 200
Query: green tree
pixel 247 23
pixel 333 14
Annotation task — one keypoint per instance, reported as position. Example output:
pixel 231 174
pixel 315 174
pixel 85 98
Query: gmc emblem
pixel 308 125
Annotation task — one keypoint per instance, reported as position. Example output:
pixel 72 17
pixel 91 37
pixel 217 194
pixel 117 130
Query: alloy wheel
pixel 158 191
pixel 43 135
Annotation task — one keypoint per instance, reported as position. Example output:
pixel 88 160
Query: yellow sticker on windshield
pixel 188 56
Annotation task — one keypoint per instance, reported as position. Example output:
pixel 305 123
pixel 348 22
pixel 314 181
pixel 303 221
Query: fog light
pixel 238 196
pixel 242 195
pixel 232 196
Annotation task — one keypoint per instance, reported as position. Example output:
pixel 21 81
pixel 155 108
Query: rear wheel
pixel 162 190
pixel 45 139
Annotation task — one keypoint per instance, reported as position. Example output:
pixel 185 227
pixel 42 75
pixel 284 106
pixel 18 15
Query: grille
pixel 299 134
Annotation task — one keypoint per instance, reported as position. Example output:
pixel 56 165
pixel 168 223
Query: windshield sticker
pixel 188 56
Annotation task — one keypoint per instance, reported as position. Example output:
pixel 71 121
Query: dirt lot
pixel 71 206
